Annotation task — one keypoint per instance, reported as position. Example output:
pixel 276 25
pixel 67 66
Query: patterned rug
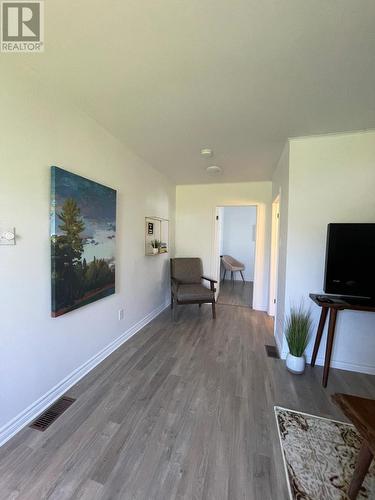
pixel 319 456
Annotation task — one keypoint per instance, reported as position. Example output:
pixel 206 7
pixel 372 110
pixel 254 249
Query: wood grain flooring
pixel 184 410
pixel 236 293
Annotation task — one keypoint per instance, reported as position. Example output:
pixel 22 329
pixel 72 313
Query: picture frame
pixel 83 241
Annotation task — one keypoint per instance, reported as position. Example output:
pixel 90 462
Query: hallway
pixel 182 410
pixel 236 293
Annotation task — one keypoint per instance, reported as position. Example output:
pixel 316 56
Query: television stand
pixel 333 304
pixel 358 300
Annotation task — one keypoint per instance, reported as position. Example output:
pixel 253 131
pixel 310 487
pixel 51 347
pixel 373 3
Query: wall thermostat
pixel 7 236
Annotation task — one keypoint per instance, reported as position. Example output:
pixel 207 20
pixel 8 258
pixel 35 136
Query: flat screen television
pixel 350 260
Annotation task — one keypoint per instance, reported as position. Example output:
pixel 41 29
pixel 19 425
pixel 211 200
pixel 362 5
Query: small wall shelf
pixel 156 228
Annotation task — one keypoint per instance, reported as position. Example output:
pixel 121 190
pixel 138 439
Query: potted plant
pixel 155 244
pixel 297 333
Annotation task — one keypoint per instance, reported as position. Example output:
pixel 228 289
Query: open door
pixel 274 256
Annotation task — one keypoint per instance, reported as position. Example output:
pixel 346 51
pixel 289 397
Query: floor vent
pixel 272 351
pixel 52 413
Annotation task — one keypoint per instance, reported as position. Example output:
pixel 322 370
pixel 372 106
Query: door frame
pixel 274 261
pixel 216 244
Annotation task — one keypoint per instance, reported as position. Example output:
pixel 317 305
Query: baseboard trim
pixel 279 346
pixel 260 307
pixel 345 365
pixel 341 365
pixel 31 412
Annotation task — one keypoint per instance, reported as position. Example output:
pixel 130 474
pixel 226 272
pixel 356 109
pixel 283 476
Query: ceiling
pixel 168 77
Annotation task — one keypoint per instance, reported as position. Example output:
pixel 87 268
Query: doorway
pixel 237 246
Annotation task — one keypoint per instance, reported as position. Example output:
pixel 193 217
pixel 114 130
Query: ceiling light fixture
pixel 207 153
pixel 213 169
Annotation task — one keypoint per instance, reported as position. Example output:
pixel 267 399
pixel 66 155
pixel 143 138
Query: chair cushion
pixel 236 268
pixel 194 292
pixel 187 270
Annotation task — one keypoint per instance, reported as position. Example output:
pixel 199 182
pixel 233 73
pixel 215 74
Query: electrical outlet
pixel 121 314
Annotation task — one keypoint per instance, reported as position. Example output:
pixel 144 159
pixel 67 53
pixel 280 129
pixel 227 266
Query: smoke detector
pixel 214 169
pixel 206 153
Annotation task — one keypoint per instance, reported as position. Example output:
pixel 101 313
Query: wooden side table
pixel 361 412
pixel 332 304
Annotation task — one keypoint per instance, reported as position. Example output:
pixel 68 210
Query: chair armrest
pixel 208 279
pixel 174 285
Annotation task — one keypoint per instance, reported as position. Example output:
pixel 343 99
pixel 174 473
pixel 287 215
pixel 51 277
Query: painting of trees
pixel 83 268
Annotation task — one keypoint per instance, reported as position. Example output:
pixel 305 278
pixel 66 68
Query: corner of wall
pixel 280 187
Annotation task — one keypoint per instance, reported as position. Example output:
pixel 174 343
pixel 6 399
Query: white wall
pixel 331 179
pixel 239 225
pixel 195 225
pixel 280 188
pixel 38 129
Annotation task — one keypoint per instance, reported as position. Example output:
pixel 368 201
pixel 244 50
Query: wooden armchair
pixel 186 284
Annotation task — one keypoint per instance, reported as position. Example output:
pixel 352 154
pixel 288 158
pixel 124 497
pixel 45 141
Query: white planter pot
pixel 155 251
pixel 295 364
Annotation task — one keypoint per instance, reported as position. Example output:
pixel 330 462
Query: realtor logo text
pixel 22 26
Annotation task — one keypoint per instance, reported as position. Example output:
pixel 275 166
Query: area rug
pixel 319 456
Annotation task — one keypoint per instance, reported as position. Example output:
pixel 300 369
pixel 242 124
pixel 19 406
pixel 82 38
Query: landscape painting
pixel 83 239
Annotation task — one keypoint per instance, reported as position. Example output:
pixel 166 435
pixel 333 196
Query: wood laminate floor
pixel 236 293
pixel 181 411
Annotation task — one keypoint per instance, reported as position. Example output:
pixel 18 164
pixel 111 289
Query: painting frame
pixel 83 241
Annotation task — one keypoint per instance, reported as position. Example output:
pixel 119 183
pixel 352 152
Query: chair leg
pixel 243 279
pixel 171 301
pixel 213 310
pixel 225 272
pixel 200 305
pixel 231 277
